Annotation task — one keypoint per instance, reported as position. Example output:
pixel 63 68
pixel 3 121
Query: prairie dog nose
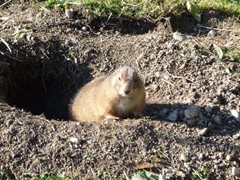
pixel 127 91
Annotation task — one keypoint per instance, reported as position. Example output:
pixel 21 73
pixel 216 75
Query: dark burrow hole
pixel 42 80
pixel 122 25
pixel 186 23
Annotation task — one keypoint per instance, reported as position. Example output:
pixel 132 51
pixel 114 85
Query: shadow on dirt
pixel 113 24
pixel 122 25
pixel 42 78
pixel 218 122
pixel 185 22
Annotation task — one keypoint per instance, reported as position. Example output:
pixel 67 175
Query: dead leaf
pixel 144 165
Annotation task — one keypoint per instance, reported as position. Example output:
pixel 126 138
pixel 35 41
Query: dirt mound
pixel 187 125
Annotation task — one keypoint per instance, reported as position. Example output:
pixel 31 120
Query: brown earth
pixel 57 55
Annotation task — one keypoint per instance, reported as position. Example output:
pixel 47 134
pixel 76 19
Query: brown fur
pixel 102 99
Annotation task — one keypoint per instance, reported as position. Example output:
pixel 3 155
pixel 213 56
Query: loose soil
pixel 58 55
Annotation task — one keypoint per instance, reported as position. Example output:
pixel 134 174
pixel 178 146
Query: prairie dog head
pixel 126 81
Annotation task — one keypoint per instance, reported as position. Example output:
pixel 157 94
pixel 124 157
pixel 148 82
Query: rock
pixel 179 37
pixel 236 136
pixel 155 87
pixel 162 177
pixel 235 171
pixel 181 174
pixel 212 33
pixel 74 140
pixel 235 114
pixel 203 132
pixel 70 13
pixel 192 112
pixel 217 120
pixel 229 157
pixel 84 28
pixel 184 157
pixel 208 109
pixel 191 121
pixel 173 116
pixel 201 156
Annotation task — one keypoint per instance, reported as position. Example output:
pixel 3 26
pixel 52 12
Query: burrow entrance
pixel 40 78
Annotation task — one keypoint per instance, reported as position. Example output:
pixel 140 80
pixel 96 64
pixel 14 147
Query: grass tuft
pixel 140 8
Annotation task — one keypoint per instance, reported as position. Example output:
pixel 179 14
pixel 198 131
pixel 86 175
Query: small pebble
pixel 212 33
pixel 74 140
pixel 70 13
pixel 181 174
pixel 203 132
pixel 217 120
pixel 184 157
pixel 236 136
pixel 208 109
pixel 192 112
pixel 84 28
pixel 191 121
pixel 201 156
pixel 235 171
pixel 162 177
pixel 179 37
pixel 229 157
pixel 235 114
pixel 173 116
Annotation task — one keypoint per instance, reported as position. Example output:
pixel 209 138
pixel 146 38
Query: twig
pixel 168 82
pixel 110 15
pixel 178 77
pixel 218 29
pixel 4 4
pixel 127 178
pixel 6 45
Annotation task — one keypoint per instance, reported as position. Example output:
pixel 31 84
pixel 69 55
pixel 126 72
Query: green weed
pixel 201 174
pixel 53 177
pixel 147 7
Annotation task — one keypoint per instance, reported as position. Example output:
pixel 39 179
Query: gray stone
pixel 203 132
pixel 212 33
pixel 217 120
pixel 179 37
pixel 208 109
pixel 69 13
pixel 236 115
pixel 173 116
pixel 235 171
pixel 192 112
pixel 201 156
pixel 191 121
pixel 184 157
pixel 229 157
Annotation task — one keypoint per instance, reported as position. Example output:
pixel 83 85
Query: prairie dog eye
pixel 119 78
pixel 135 80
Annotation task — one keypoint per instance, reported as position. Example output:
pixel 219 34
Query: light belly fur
pixel 125 104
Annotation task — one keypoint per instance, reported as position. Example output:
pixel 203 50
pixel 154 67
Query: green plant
pixel 53 177
pixel 201 174
pixel 145 175
pixel 232 55
pixel 148 7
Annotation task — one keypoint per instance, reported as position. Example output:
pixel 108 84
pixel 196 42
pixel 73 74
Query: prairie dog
pixel 109 97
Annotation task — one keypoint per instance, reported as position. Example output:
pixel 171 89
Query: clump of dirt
pixel 187 125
